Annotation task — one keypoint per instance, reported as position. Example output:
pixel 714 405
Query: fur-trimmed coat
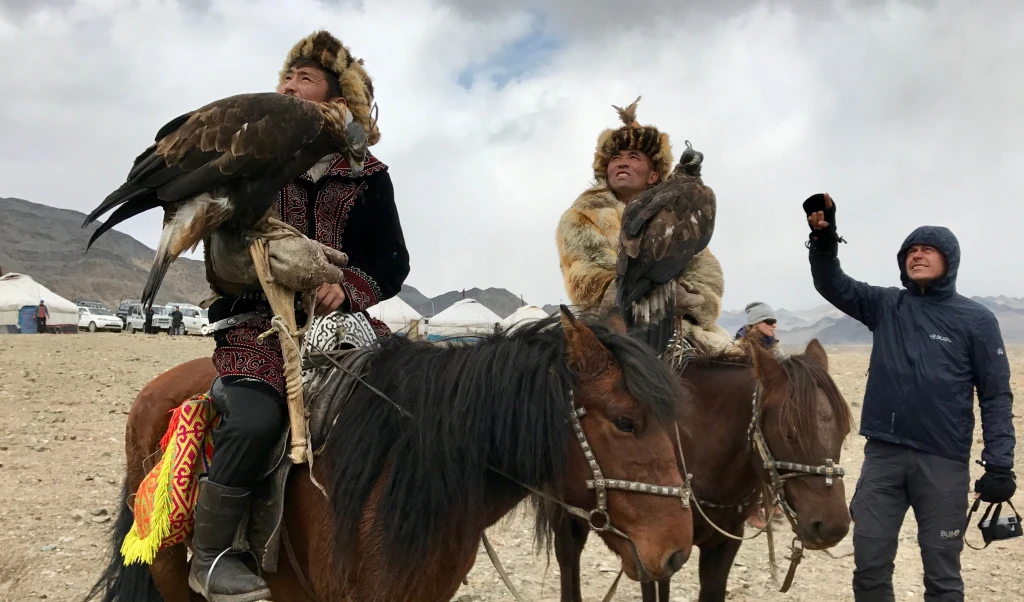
pixel 588 242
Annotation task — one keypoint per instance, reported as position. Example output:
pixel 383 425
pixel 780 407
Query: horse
pixel 794 406
pixel 537 410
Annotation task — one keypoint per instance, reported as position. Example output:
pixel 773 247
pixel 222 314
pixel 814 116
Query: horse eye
pixel 624 424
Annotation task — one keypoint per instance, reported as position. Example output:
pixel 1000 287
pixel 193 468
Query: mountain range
pixel 49 244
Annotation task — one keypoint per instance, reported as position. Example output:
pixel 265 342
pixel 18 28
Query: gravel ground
pixel 64 400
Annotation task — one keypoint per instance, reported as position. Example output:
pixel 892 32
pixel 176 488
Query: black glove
pixel 826 240
pixel 997 485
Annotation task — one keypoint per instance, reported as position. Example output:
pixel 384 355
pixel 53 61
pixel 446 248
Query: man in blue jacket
pixel 932 349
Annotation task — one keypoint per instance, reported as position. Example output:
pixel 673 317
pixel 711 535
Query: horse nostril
pixel 818 529
pixel 675 561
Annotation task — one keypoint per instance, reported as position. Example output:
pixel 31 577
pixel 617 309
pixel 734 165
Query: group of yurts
pixel 287 199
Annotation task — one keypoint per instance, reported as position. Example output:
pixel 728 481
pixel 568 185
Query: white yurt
pixel 400 317
pixel 19 297
pixel 524 315
pixel 466 318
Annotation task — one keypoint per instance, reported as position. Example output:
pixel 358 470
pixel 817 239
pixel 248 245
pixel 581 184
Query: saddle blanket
pixel 165 500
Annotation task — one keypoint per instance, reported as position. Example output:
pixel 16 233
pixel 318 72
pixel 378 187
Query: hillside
pixel 48 244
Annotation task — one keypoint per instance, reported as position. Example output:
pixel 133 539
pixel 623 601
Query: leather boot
pixel 217 515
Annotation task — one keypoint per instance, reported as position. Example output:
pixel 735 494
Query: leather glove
pixel 997 485
pixel 827 239
pixel 301 264
pixel 687 298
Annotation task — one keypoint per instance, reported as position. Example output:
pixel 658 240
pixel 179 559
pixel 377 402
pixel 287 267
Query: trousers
pixel 252 417
pixel 893 479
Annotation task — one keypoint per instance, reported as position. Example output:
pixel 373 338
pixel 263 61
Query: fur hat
pixel 632 136
pixel 356 86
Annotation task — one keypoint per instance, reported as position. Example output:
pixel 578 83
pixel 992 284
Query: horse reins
pixel 599 484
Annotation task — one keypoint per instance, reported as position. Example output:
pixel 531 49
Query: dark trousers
pixel 253 416
pixel 40 325
pixel 893 479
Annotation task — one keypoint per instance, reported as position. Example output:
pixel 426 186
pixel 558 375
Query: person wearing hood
pixel 932 349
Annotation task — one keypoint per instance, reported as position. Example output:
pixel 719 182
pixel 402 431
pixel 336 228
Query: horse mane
pixel 806 378
pixel 502 402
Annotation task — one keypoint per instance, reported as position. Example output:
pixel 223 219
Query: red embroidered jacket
pixel 354 215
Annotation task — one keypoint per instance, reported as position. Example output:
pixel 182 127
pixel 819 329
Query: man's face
pixel 306 82
pixel 630 171
pixel 767 328
pixel 925 263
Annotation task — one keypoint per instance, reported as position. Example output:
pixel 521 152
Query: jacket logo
pixel 939 337
pixel 1000 351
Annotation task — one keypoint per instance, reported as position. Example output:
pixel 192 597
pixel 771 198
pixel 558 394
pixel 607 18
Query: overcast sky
pixel 909 113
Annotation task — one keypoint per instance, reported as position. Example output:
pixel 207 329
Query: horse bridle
pixel 777 482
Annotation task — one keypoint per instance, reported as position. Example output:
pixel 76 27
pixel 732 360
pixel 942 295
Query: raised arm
pixel 859 300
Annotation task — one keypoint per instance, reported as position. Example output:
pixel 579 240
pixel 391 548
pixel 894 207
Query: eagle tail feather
pixel 123 213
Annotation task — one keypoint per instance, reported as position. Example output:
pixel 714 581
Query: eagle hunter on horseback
pixel 761 424
pixel 428 444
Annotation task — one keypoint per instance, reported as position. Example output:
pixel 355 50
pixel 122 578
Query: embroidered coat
pixel 355 215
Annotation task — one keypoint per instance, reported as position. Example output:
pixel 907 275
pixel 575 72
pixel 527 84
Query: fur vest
pixel 588 240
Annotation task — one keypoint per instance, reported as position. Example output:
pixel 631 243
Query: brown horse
pixel 410 495
pixel 804 420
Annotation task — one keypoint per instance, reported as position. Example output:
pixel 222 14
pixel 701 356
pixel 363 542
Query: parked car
pixel 92 304
pixel 137 318
pixel 124 308
pixel 193 318
pixel 96 318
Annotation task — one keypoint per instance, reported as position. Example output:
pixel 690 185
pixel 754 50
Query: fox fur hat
pixel 356 86
pixel 632 136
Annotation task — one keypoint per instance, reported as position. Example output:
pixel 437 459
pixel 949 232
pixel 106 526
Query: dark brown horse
pixel 804 420
pixel 410 496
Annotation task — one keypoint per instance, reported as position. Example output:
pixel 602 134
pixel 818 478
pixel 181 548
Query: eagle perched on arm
pixel 662 229
pixel 216 173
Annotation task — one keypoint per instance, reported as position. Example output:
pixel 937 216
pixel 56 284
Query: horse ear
pixel 586 354
pixel 616 321
pixel 767 369
pixel 816 353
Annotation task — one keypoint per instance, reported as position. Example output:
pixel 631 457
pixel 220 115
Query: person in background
pixel 147 326
pixel 176 318
pixel 760 327
pixel 42 313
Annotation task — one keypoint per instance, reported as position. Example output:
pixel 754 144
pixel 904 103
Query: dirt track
pixel 63 401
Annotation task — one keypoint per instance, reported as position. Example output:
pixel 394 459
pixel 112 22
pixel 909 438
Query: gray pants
pixel 893 479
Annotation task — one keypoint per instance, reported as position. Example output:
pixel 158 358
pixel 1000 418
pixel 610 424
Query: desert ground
pixel 63 404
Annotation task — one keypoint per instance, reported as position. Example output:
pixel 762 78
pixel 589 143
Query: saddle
pixel 327 386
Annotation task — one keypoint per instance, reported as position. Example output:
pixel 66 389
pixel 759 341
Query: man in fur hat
pixel 356 215
pixel 628 160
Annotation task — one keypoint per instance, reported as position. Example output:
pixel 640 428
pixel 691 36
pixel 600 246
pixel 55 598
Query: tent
pixel 19 297
pixel 467 318
pixel 524 315
pixel 400 317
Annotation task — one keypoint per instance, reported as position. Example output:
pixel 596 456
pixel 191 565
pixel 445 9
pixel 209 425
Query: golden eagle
pixel 216 171
pixel 662 229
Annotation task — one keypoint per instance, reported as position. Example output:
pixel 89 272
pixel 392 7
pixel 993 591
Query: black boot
pixel 217 514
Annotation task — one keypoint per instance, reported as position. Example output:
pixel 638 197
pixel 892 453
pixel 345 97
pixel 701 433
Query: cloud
pixel 907 112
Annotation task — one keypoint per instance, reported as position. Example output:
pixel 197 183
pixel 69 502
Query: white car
pixel 193 319
pixel 97 318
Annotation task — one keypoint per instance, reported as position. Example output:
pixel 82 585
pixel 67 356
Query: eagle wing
pixel 223 162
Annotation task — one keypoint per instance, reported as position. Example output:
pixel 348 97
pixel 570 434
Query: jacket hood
pixel 945 241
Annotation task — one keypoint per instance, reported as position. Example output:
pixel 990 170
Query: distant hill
pixel 48 244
